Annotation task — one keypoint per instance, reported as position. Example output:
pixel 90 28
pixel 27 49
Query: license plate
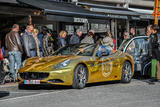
pixel 31 81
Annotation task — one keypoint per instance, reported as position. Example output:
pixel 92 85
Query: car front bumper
pixel 56 77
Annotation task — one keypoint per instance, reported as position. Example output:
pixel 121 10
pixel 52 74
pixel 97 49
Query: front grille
pixel 55 81
pixel 33 75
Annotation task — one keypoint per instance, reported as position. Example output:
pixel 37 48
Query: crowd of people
pixel 32 43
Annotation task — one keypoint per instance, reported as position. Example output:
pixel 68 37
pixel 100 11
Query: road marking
pixel 25 92
pixel 142 101
pixel 28 96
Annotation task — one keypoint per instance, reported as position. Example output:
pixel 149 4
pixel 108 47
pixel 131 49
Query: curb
pixel 9 85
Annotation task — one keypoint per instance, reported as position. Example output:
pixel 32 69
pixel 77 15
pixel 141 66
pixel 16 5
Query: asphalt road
pixel 110 94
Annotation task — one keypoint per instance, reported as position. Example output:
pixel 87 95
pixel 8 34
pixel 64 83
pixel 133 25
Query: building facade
pixel 99 15
pixel 143 8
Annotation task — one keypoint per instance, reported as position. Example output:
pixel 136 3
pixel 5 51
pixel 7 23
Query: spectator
pixel 104 49
pixel 1 51
pixel 47 44
pixel 35 34
pixel 108 41
pixel 40 37
pixel 89 38
pixel 149 33
pixel 29 42
pixel 22 31
pixel 155 50
pixel 55 43
pixel 132 32
pixel 149 30
pixel 14 47
pixel 114 41
pixel 75 39
pixel 62 39
pixel 126 35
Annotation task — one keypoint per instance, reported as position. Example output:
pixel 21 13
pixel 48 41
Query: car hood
pixel 45 63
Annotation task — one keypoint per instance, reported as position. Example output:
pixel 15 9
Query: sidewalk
pixel 9 85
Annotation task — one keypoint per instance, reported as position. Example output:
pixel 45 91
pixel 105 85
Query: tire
pixel 126 73
pixel 80 77
pixel 149 73
pixel 4 80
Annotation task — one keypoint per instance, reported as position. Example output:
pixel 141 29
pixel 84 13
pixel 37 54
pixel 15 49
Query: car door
pixel 103 68
pixel 139 49
pixel 110 67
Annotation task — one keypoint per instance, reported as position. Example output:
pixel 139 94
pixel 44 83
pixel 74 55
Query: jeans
pixel 104 49
pixel 41 54
pixel 33 53
pixel 15 62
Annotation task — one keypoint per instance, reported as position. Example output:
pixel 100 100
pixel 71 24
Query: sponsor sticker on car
pixel 31 81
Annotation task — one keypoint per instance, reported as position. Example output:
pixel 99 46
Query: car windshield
pixel 79 49
pixel 124 43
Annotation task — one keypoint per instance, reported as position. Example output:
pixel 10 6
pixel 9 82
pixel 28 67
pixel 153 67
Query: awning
pixel 144 13
pixel 117 11
pixel 62 9
pixel 110 10
pixel 75 19
pixel 9 1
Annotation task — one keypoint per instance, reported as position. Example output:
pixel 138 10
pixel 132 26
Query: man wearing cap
pixel 75 39
pixel 89 38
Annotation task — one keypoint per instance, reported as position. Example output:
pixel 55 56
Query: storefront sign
pixel 146 17
pixel 135 18
pixel 117 16
pixel 80 20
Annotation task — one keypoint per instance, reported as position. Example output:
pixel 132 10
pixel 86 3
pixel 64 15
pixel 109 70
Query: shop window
pixel 99 28
pixel 71 28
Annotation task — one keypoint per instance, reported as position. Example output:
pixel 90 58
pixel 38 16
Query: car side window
pixel 88 51
pixel 131 47
pixel 138 46
pixel 145 47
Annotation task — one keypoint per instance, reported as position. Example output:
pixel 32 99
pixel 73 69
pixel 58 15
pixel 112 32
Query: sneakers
pixel 153 80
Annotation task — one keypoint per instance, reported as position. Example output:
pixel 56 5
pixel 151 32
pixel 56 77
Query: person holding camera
pixel 89 38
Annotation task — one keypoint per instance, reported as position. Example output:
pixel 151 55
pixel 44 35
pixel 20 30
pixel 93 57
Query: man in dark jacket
pixel 132 32
pixel 155 51
pixel 47 46
pixel 15 50
pixel 40 37
pixel 75 39
pixel 29 42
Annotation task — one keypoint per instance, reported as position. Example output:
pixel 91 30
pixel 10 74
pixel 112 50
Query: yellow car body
pixel 45 70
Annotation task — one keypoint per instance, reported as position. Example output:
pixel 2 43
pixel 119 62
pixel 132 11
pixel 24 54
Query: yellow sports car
pixel 77 65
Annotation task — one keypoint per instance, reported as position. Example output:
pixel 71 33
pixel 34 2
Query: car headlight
pixel 63 64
